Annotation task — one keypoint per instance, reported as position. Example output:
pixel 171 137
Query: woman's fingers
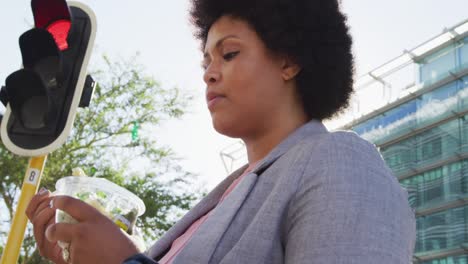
pixel 45 203
pixel 40 222
pixel 35 202
pixel 61 232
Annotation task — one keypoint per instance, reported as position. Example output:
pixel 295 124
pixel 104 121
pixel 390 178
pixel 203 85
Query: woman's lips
pixel 212 99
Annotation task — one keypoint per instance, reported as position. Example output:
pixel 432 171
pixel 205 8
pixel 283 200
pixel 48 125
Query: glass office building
pixel 420 126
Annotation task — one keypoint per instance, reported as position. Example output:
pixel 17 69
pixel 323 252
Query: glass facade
pixel 441 230
pixel 424 140
pixel 436 144
pixel 434 187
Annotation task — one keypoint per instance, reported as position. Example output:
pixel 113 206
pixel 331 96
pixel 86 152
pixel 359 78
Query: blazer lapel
pixel 313 127
pixel 206 204
pixel 201 246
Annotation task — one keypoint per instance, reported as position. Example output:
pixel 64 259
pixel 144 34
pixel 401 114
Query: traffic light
pixel 42 98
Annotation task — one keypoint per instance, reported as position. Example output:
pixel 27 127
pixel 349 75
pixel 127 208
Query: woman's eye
pixel 230 55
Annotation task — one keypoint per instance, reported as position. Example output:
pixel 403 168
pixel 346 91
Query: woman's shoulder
pixel 338 145
pixel 340 153
pixel 343 162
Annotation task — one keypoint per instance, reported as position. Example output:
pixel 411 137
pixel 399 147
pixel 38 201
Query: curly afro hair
pixel 312 32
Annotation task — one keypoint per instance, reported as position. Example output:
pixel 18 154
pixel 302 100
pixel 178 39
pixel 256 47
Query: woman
pixel 273 69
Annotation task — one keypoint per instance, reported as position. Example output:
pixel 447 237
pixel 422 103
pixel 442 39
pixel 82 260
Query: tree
pixel 108 140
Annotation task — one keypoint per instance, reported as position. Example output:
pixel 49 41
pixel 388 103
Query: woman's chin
pixel 226 128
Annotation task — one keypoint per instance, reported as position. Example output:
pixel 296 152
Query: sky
pixel 160 32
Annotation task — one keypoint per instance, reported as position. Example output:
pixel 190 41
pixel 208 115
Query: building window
pixel 442 230
pixel 432 148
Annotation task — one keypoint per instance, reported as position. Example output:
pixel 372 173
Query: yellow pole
pixel 31 182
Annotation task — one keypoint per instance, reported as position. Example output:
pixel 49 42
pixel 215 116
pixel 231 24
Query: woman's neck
pixel 259 145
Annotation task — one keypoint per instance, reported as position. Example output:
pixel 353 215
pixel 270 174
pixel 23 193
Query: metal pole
pixel 31 182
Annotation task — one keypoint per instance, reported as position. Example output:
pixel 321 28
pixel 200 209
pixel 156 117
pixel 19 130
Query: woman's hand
pixel 95 239
pixel 41 216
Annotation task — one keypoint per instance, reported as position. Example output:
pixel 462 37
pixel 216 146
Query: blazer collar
pixel 204 241
pixel 223 214
pixel 311 128
pixel 200 209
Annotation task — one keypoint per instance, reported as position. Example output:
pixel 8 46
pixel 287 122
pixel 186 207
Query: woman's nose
pixel 211 75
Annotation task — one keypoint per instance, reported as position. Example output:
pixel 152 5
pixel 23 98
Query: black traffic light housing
pixel 42 98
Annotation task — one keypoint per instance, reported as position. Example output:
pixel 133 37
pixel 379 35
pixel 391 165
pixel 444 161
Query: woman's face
pixel 245 82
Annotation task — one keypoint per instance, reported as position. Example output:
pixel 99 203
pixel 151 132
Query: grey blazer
pixel 318 197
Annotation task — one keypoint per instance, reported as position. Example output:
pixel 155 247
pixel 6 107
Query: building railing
pixel 405 75
pixel 438 104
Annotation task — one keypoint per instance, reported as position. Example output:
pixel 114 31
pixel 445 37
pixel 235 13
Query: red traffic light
pixel 59 30
pixel 53 15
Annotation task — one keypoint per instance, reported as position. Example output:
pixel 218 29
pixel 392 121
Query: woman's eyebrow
pixel 218 43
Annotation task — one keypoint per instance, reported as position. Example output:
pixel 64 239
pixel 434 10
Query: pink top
pixel 182 240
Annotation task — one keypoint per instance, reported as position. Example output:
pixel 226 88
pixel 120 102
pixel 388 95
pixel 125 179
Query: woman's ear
pixel 290 69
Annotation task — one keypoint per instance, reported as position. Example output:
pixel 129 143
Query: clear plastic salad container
pixel 117 203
